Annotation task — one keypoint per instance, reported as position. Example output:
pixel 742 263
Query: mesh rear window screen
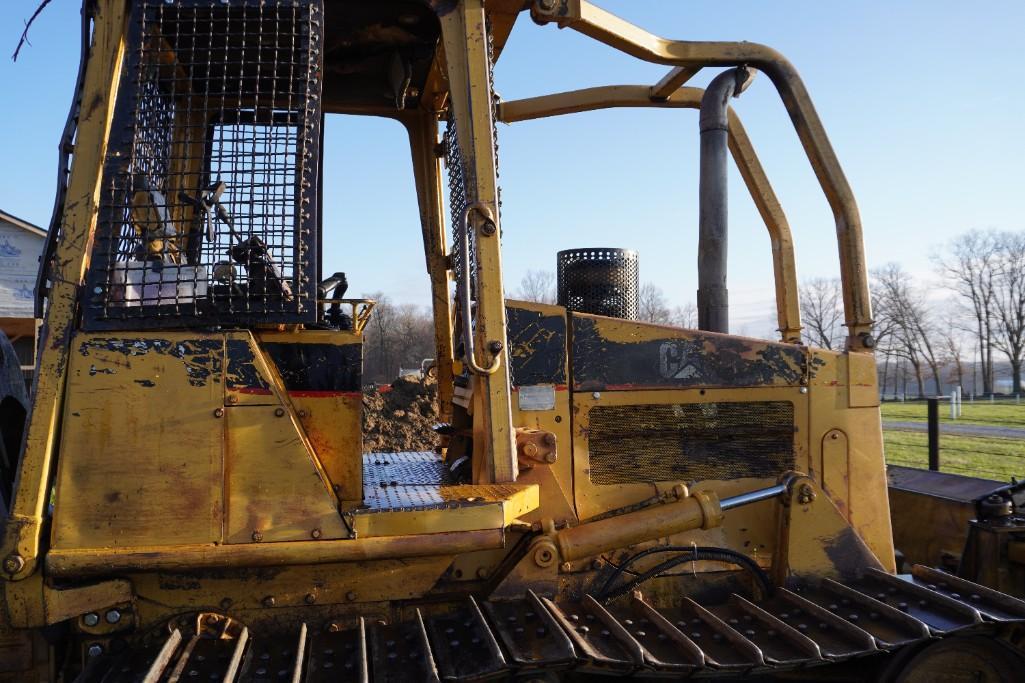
pixel 690 442
pixel 208 207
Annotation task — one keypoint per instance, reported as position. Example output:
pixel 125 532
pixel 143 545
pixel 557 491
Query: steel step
pixel 829 622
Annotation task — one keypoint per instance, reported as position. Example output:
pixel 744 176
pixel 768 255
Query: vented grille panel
pixel 602 281
pixel 690 442
pixel 208 207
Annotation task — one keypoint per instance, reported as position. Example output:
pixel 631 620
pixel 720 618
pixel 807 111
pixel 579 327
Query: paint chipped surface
pixel 200 357
pixel 610 354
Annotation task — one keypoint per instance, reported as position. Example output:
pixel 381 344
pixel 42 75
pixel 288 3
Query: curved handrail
pixel 788 310
pixel 607 28
pixel 464 291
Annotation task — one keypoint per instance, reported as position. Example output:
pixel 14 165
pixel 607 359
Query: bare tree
pixel 685 316
pixel 537 286
pixel 822 312
pixel 903 309
pixel 1009 302
pixel 952 350
pixel 970 271
pixel 652 306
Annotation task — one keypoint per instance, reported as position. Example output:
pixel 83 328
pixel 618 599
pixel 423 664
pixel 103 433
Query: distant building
pixel 21 244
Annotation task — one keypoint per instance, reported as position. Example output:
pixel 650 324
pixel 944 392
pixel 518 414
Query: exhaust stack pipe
pixel 713 299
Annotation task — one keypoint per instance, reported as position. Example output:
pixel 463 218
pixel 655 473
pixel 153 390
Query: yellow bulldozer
pixel 609 497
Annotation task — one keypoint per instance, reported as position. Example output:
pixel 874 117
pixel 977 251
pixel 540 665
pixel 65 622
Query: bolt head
pixel 95 650
pixel 233 399
pixel 257 536
pixel 269 601
pixel 113 616
pixel 310 598
pixel 495 346
pixel 488 228
pixel 546 5
pixel 219 412
pixel 596 395
pixel 279 412
pixel 315 533
pixel 350 596
pixel 14 564
pixel 91 619
pixel 550 457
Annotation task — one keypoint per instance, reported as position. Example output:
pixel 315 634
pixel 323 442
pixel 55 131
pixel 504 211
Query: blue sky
pixel 921 99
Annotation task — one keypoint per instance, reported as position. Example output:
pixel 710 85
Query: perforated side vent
pixel 690 442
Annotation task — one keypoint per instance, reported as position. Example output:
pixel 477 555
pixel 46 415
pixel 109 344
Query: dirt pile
pixel 401 417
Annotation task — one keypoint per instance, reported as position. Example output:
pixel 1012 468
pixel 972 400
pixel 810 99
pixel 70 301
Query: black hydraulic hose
pixel 689 554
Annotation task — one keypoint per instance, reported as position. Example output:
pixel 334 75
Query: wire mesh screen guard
pixel 599 281
pixel 690 441
pixel 208 213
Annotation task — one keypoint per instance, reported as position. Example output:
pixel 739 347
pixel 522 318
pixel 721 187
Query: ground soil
pixel 401 417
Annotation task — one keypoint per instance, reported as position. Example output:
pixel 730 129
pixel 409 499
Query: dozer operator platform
pixel 608 496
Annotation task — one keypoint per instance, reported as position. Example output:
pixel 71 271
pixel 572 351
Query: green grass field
pixel 989 458
pixel 1004 413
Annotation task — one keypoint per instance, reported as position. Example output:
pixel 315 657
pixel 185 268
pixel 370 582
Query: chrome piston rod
pixel 752 497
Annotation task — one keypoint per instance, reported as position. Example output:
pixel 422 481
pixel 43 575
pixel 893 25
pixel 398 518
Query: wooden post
pixel 934 434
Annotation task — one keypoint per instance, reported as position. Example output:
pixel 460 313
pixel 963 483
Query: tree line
pixel 970 317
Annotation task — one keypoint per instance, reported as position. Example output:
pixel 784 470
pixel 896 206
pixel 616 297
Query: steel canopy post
pixel 467 60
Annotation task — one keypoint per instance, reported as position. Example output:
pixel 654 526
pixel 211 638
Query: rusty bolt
pixel 95 650
pixel 303 413
pixel 495 346
pixel 482 572
pixel 315 533
pixel 232 399
pixel 544 556
pixel 279 412
pixel 488 228
pixel 333 627
pixel 546 5
pixel 14 563
pixel 257 536
pixel 219 412
pixel 805 494
pixel 269 601
pixel 565 567
pixel 113 616
pixel 834 436
pixel 91 619
pixel 530 449
pixel 350 596
pixel 310 598
pixel 549 439
pixel 550 457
